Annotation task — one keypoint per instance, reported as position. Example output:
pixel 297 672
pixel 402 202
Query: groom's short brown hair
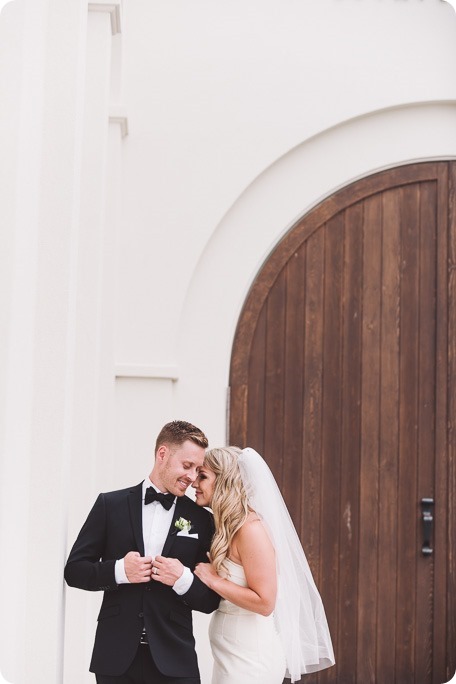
pixel 177 432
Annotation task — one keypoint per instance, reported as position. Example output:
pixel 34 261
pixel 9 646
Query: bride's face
pixel 204 486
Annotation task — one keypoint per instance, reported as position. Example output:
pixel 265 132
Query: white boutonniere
pixel 183 525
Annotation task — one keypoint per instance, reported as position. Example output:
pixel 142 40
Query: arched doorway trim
pixel 265 212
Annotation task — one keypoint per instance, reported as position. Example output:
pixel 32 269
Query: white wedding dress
pixel 246 646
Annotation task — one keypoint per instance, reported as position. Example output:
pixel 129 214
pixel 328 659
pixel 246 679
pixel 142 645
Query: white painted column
pixel 56 270
pixel 18 274
pixel 105 126
pixel 43 68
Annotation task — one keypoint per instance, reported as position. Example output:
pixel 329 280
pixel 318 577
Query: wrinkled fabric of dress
pixel 246 646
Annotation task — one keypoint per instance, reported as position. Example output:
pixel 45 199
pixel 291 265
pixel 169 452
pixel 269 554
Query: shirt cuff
pixel 183 584
pixel 119 572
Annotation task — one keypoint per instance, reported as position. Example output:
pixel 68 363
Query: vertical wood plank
pixel 331 424
pixel 389 436
pixel 350 442
pixel 312 421
pixel 274 377
pixel 444 636
pixel 368 534
pixel 238 417
pixel 450 202
pixel 293 386
pixel 426 423
pixel 256 381
pixel 408 510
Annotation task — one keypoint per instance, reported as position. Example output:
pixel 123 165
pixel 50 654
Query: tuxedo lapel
pixel 135 504
pixel 179 512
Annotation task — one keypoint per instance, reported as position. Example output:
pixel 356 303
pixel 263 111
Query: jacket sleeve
pixel 199 596
pixel 84 568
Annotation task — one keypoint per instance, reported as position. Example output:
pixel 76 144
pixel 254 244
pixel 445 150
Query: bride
pixel 271 621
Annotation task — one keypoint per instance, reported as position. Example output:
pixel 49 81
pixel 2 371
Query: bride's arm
pixel 257 557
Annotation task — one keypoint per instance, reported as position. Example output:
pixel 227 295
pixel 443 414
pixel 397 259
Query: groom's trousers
pixel 144 671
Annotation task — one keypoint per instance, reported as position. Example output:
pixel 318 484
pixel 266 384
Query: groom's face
pixel 176 467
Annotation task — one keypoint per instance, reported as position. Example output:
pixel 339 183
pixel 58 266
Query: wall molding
pixel 133 370
pixel 113 8
pixel 118 115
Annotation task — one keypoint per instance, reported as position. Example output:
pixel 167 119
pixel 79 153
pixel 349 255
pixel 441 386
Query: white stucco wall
pixel 126 260
pixel 217 92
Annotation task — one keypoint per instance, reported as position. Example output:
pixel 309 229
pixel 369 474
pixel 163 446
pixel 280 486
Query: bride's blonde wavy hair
pixel 229 500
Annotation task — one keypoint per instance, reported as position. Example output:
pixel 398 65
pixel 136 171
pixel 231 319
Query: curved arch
pixel 452 3
pixel 3 4
pixel 264 213
pixel 405 128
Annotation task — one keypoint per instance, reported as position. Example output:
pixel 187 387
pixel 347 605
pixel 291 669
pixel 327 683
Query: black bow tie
pixel 166 500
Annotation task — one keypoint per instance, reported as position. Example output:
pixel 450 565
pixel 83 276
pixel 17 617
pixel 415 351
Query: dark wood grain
pixel 426 420
pixel 389 434
pixel 313 401
pixel 408 425
pixel 331 423
pixel 450 374
pixel 274 418
pixel 370 422
pixel 343 375
pixel 350 443
pixel 256 394
pixel 294 383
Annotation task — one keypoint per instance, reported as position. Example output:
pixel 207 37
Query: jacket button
pixel 141 615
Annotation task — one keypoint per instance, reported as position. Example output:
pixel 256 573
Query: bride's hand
pixel 206 573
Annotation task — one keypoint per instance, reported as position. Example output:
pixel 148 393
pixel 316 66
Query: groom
pixel 144 633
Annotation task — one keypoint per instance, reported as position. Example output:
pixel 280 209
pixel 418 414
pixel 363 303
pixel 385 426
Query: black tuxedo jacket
pixel 112 529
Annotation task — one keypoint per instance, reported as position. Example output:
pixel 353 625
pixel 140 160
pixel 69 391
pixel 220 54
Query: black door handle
pixel 427 521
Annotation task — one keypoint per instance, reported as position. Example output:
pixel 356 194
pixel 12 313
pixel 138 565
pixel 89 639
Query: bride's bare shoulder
pixel 251 541
pixel 248 525
pixel 252 529
pixel 252 518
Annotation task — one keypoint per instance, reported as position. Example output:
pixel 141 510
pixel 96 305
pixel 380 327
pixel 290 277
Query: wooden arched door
pixel 343 376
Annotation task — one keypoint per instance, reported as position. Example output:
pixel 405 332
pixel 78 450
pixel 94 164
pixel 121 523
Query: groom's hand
pixel 166 570
pixel 137 567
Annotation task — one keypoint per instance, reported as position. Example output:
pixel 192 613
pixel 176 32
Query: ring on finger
pixel 155 571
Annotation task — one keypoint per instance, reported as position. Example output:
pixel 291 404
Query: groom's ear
pixel 161 453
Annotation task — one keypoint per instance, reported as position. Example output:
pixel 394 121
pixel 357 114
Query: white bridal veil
pixel 299 614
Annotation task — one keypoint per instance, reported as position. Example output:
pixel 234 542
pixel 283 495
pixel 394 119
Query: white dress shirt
pixel 156 521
